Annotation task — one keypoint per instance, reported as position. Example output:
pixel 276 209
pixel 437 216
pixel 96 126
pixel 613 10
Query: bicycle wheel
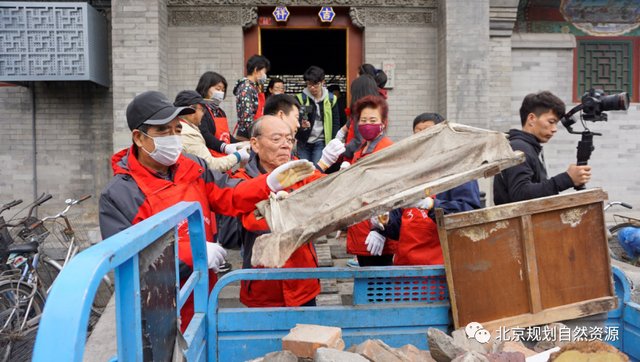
pixel 617 252
pixel 19 302
pixel 48 271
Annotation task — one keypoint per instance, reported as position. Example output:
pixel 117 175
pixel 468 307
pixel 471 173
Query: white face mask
pixel 262 79
pixel 167 151
pixel 217 97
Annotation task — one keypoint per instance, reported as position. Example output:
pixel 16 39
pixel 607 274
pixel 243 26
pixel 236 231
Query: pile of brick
pixel 459 347
pixel 314 343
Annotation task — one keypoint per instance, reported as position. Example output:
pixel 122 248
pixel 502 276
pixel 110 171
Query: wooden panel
pixel 476 253
pixel 528 263
pixel 568 245
pixel 523 208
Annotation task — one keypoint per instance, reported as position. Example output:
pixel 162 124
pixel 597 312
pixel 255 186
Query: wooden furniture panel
pixel 572 234
pixel 528 263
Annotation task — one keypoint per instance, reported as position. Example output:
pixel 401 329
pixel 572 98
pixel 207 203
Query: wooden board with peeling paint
pixel 528 263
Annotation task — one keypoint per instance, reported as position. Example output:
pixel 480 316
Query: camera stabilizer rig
pixel 592 105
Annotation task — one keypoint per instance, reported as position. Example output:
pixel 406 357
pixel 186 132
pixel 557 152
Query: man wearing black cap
pixel 192 140
pixel 153 175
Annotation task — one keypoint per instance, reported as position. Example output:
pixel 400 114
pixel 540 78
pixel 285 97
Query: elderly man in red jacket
pixel 272 140
pixel 153 174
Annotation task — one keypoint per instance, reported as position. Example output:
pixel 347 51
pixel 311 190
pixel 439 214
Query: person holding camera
pixel 321 108
pixel 539 115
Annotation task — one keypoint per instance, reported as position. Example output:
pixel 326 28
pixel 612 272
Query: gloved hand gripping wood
pixel 288 174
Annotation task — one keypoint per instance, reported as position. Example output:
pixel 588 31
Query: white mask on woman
pixel 217 97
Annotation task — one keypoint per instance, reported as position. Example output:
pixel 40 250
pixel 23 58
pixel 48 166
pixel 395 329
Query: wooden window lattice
pixel 606 65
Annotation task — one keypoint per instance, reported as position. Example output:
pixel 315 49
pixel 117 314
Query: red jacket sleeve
pixel 241 199
pixel 252 223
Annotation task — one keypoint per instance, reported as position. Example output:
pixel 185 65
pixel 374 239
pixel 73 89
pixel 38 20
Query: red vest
pixel 160 194
pixel 261 101
pixel 357 234
pixel 222 132
pixel 419 243
pixel 280 293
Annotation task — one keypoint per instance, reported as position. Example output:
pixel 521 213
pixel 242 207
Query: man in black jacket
pixel 539 115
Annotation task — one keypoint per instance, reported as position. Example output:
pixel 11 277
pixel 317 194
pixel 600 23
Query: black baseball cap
pixel 153 108
pixel 188 98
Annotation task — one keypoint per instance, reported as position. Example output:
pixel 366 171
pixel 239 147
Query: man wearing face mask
pixel 249 98
pixel 153 175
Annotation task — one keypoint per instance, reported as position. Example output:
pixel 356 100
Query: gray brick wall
pixel 139 51
pixel 195 50
pixel 499 106
pixel 73 133
pixel 413 49
pixel 464 70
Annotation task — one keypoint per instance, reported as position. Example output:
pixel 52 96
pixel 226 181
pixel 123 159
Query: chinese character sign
pixel 326 14
pixel 281 14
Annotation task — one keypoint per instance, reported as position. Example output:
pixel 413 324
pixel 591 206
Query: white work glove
pixel 243 154
pixel 425 204
pixel 344 165
pixel 231 148
pixel 288 174
pixel 342 134
pixel 379 221
pixel 215 256
pixel 330 153
pixel 375 243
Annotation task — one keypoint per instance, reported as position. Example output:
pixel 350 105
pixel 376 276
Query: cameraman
pixel 539 115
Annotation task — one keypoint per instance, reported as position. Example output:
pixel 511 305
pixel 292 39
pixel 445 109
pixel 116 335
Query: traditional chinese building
pixel 472 61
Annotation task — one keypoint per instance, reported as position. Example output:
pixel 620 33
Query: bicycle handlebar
pixel 41 200
pixel 9 205
pixel 69 202
pixel 82 198
pixel 614 203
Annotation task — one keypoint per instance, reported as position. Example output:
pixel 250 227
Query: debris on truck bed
pixel 432 161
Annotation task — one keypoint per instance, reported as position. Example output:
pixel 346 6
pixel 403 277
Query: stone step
pixel 328 286
pixel 329 299
pixel 324 255
pixel 339 252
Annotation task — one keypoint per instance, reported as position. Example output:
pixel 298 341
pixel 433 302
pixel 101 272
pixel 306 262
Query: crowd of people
pixel 185 151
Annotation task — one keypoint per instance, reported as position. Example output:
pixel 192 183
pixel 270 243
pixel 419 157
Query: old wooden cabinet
pixel 530 262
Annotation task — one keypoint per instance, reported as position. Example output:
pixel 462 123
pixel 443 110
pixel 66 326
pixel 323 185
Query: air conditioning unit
pixel 42 41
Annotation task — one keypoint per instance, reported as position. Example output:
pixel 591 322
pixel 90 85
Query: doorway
pixel 291 51
pixel 304 40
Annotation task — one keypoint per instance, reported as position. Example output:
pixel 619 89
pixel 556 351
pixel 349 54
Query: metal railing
pixel 64 322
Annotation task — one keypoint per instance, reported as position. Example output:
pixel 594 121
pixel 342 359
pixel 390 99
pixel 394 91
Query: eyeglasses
pixel 314 85
pixel 279 139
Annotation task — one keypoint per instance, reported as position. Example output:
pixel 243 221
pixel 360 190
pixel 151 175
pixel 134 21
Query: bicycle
pixel 616 250
pixel 24 287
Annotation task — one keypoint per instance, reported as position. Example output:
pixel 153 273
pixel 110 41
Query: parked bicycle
pixel 33 266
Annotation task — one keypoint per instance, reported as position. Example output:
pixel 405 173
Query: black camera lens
pixel 615 102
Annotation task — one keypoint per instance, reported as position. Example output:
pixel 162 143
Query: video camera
pixel 306 113
pixel 592 105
